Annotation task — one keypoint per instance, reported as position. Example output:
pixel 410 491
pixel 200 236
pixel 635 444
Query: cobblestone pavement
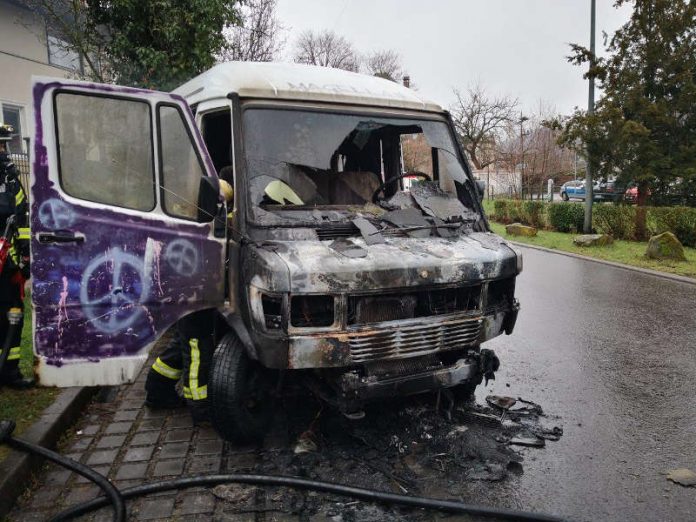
pixel 132 445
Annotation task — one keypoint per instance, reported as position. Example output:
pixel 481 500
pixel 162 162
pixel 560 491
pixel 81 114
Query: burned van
pixel 355 249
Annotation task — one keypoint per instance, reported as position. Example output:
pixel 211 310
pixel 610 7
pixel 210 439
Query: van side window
pixel 217 135
pixel 180 166
pixel 105 150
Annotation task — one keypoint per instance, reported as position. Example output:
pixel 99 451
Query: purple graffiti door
pixel 120 246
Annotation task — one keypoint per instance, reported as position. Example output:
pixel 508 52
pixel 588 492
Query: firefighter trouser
pixel 165 373
pixel 198 330
pixel 10 297
pixel 187 355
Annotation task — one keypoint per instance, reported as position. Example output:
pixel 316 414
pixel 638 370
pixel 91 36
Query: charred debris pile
pixel 418 446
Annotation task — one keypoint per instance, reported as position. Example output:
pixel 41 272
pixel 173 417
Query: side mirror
pixel 480 188
pixel 208 197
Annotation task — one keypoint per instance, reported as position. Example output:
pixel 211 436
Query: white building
pixel 500 182
pixel 27 48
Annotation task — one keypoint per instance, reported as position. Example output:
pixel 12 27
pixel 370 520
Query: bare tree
pixel 259 37
pixel 479 121
pixel 533 142
pixel 416 154
pixel 327 49
pixel 71 31
pixel 385 64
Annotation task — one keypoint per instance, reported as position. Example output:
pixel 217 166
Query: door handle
pixel 60 236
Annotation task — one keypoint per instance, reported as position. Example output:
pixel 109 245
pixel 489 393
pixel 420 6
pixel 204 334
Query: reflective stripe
pixel 14 353
pixel 167 371
pixel 202 393
pixel 12 253
pixel 19 197
pixel 23 233
pixel 195 392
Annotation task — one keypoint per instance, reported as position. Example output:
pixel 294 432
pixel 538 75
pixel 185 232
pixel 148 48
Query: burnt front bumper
pixel 353 388
pixel 397 340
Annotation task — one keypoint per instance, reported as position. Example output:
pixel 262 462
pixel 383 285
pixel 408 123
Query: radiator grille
pixel 412 303
pixel 413 340
pixel 378 309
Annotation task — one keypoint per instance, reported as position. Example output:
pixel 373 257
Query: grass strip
pixel 627 252
pixel 25 406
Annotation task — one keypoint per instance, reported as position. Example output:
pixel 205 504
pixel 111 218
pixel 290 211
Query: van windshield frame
pixel 266 152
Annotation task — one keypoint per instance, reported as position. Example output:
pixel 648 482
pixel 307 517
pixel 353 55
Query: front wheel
pixel 564 196
pixel 241 403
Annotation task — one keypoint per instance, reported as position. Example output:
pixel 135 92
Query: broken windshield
pixel 309 166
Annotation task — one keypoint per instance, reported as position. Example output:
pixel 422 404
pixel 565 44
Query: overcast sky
pixel 514 47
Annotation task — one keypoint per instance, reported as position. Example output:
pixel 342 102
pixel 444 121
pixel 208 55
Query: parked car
pixel 575 189
pixel 326 263
pixel 608 190
pixel 631 194
pixel 601 190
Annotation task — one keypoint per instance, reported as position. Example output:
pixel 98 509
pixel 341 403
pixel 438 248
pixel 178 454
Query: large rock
pixel 518 229
pixel 590 240
pixel 665 246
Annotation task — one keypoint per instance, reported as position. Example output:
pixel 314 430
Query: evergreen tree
pixel 644 126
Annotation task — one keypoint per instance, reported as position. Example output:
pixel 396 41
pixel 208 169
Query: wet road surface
pixel 613 353
pixel 609 354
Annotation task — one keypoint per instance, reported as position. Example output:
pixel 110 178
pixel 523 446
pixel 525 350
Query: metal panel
pixel 411 340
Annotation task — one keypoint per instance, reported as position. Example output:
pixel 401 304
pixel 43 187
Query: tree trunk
pixel 641 212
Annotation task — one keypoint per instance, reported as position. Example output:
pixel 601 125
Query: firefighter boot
pixel 161 392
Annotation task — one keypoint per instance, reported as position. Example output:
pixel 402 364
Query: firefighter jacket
pixel 13 202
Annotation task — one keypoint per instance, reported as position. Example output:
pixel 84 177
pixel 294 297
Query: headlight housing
pixel 312 311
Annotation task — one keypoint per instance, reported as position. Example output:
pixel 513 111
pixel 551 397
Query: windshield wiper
pixel 420 227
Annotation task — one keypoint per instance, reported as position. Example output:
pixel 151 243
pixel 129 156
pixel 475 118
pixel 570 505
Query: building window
pixel 12 115
pixel 61 54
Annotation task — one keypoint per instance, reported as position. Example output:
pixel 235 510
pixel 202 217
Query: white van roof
pixel 292 81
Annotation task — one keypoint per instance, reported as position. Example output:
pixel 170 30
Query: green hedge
pixel 534 213
pixel 516 211
pixel 566 217
pixel 616 220
pixel 619 221
pixel 500 210
pixel 679 220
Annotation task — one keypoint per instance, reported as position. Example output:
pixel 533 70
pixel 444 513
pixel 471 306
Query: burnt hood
pixel 350 265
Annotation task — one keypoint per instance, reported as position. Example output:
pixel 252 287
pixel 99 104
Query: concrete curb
pixel 656 273
pixel 17 468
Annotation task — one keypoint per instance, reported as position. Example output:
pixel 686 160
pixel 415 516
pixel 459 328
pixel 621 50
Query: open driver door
pixel 123 242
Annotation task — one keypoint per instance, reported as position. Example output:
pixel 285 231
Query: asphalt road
pixel 612 353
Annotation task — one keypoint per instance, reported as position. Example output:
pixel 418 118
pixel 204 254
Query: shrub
pixel 500 210
pixel 533 213
pixel 616 220
pixel 566 217
pixel 514 211
pixel 679 220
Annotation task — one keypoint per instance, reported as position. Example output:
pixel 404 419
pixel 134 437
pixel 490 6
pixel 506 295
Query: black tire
pixel 239 389
pixel 564 196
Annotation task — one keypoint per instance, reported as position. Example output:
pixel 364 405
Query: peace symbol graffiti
pixel 55 214
pixel 182 256
pixel 113 291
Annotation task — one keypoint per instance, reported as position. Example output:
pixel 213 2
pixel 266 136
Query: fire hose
pixel 116 497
